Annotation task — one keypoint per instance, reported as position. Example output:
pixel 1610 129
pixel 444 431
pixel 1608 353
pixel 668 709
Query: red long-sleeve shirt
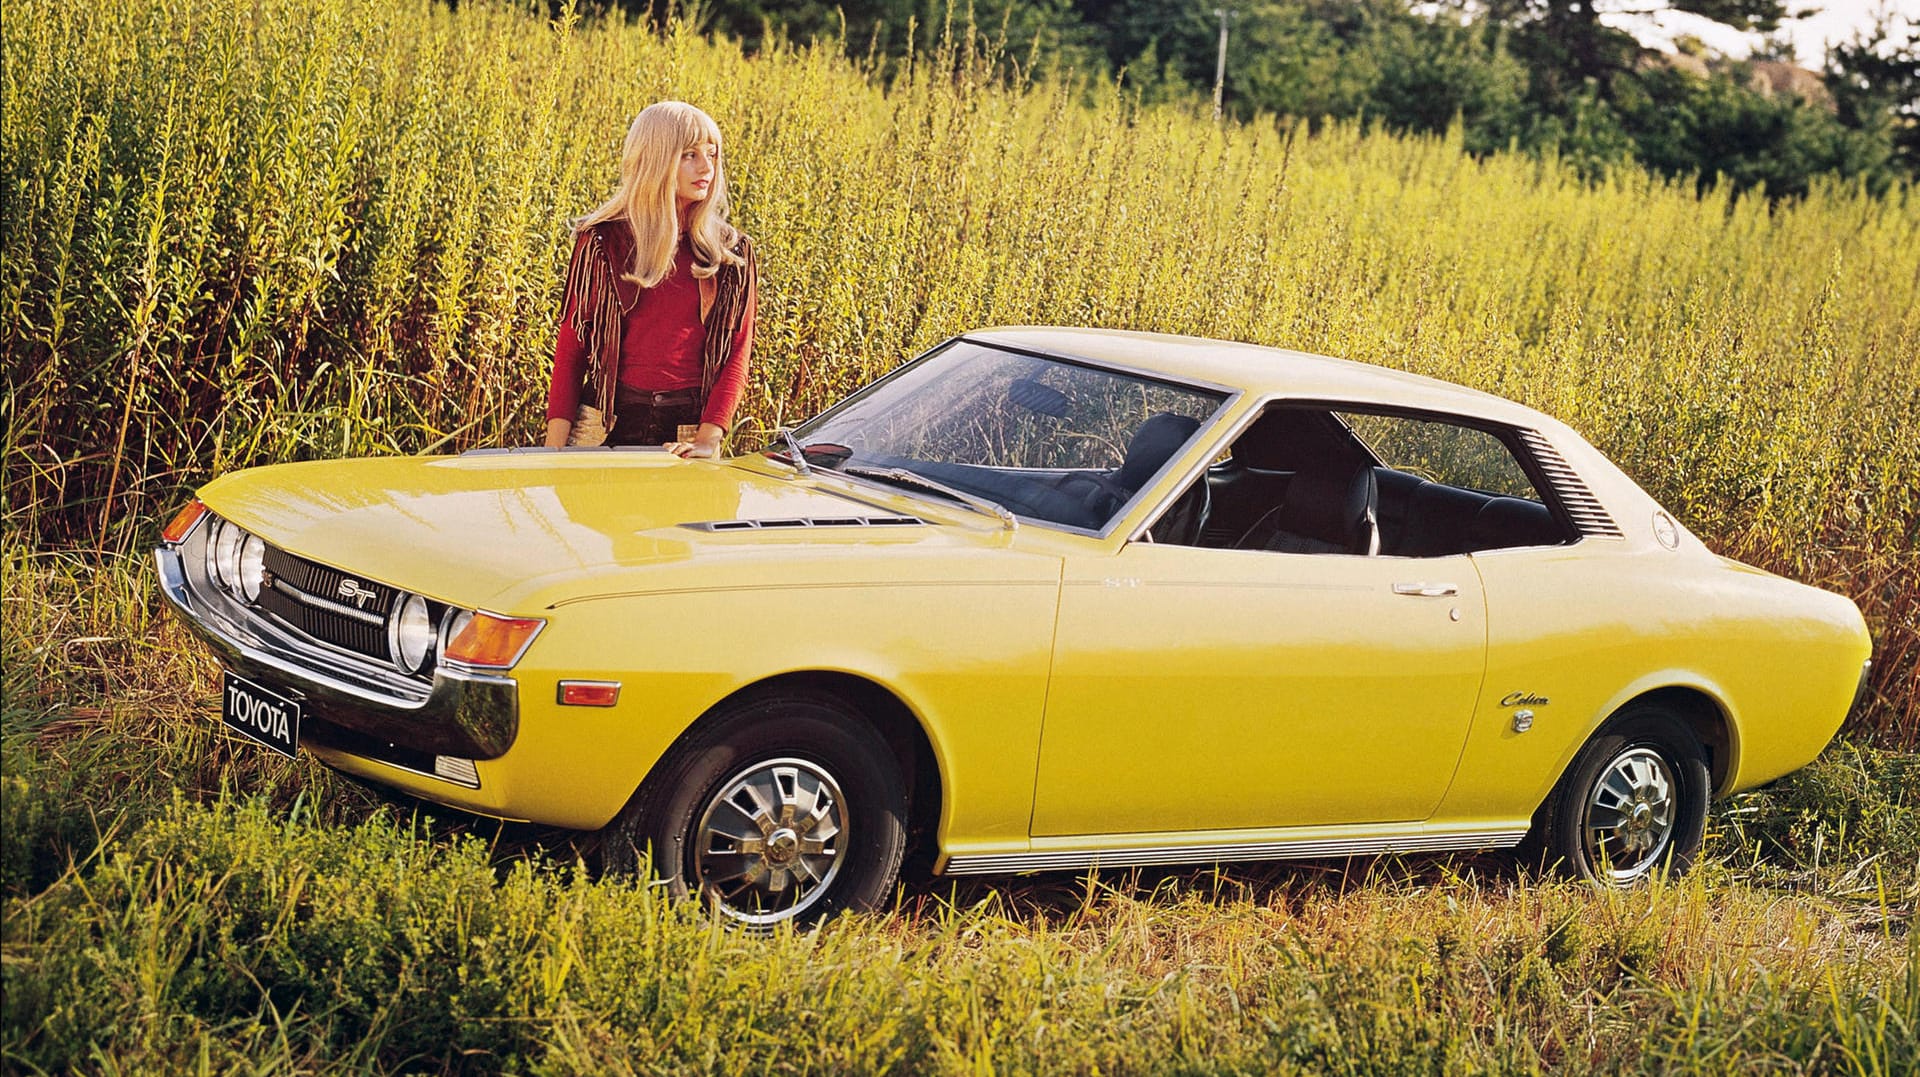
pixel 660 347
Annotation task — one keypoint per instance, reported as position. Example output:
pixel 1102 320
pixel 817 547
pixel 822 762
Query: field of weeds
pixel 244 231
pixel 178 900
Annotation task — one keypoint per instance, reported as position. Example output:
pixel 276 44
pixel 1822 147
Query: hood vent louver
pixel 1575 495
pixel 792 522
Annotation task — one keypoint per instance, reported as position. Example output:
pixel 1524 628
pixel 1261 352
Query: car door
pixel 1219 689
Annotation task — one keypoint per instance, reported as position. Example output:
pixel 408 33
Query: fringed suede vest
pixel 602 297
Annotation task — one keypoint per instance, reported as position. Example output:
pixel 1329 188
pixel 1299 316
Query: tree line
pixel 1544 76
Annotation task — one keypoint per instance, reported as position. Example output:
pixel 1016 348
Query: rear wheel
pixel 1634 801
pixel 787 807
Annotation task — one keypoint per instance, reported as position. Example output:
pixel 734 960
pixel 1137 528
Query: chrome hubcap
pixel 1629 816
pixel 771 841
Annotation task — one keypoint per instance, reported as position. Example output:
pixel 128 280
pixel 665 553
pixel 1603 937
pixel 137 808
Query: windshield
pixel 1049 440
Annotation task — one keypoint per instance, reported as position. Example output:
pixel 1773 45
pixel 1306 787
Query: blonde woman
pixel 657 321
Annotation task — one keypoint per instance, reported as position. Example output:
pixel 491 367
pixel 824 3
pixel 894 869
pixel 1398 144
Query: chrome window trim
pixel 1175 489
pixel 1098 364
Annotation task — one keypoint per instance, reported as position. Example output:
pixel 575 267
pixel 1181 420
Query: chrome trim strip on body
pixel 462 713
pixel 1303 849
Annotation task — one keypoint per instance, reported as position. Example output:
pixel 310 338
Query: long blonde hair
pixel 649 170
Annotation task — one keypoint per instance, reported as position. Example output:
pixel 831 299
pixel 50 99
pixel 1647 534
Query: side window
pixel 1313 480
pixel 1444 488
pixel 1439 452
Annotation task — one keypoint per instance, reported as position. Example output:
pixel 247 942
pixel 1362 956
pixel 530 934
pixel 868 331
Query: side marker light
pixel 589 693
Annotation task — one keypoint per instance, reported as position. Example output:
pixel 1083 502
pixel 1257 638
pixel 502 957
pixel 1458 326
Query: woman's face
pixel 698 166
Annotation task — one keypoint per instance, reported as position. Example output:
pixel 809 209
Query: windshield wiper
pixel 902 477
pixel 795 455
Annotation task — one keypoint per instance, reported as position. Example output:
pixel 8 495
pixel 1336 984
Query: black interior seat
pixel 1152 445
pixel 1324 512
pixel 1510 521
pixel 1438 519
pixel 1396 499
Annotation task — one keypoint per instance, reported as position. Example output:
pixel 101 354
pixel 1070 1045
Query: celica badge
pixel 351 589
pixel 1526 701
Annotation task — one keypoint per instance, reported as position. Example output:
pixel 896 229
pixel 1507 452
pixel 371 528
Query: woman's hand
pixel 558 431
pixel 704 446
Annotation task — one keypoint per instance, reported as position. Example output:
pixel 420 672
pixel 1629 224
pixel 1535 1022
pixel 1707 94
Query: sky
pixel 1837 21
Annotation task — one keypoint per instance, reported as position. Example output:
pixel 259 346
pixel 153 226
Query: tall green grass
pixel 231 938
pixel 242 231
pixel 173 899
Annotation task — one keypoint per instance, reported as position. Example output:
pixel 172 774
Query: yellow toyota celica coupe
pixel 1044 598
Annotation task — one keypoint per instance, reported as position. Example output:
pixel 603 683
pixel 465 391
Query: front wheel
pixel 1634 800
pixel 786 807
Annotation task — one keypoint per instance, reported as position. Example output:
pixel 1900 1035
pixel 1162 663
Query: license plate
pixel 266 716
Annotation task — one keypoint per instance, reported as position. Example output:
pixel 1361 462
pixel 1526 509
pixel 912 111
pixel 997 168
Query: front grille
pixel 328 604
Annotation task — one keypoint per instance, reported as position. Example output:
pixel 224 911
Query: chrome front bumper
pixel 464 713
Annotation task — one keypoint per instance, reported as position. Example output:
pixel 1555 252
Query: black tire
pixel 1604 823
pixel 836 852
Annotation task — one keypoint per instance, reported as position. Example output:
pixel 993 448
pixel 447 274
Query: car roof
pixel 1259 369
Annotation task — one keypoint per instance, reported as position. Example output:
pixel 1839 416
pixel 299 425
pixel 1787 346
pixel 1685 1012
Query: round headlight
pixel 253 566
pixel 226 555
pixel 456 621
pixel 413 634
pixel 215 528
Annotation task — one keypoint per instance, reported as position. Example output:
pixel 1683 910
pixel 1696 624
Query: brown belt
pixel 673 398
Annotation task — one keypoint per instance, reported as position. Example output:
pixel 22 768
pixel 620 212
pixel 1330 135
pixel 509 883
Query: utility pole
pixel 1220 65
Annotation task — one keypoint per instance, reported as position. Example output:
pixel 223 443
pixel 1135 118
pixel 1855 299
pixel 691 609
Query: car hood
pixel 507 531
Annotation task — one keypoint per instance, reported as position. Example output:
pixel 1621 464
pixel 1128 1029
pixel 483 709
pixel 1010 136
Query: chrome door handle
pixel 1426 590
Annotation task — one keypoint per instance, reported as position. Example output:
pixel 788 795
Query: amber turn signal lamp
pixel 183 521
pixel 589 693
pixel 492 640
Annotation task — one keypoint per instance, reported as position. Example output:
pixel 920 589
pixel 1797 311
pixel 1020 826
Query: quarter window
pixel 1453 455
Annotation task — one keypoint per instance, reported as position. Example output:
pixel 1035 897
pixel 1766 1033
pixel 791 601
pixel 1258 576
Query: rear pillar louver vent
pixel 1575 495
